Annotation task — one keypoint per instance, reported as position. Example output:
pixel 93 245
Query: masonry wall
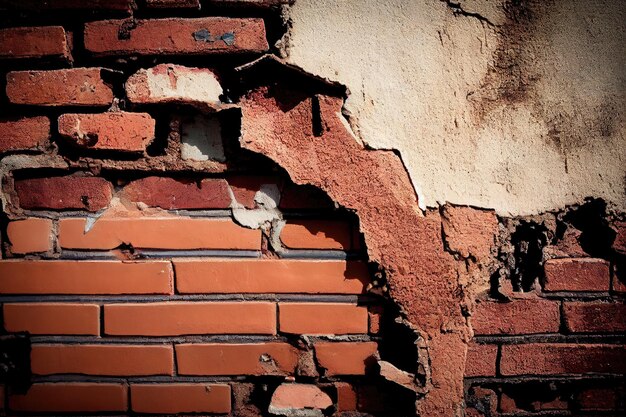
pixel 155 262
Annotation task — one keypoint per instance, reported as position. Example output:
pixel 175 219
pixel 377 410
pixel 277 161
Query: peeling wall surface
pixel 511 105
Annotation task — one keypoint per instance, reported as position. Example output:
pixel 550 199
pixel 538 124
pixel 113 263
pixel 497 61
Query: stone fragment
pixel 299 400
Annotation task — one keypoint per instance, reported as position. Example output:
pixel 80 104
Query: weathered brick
pixel 158 233
pixel 597 399
pixel 52 318
pixel 298 399
pixel 516 317
pixel 30 235
pixel 468 231
pixel 346 397
pixel 171 193
pixel 272 358
pixel 180 398
pixel 87 5
pixel 34 42
pixel 64 193
pixel 171 83
pixel 106 360
pixel 207 35
pixel 270 276
pixel 595 317
pixel 72 397
pixel 171 4
pixel 116 131
pixel 554 359
pixel 576 274
pixel 244 188
pixel 345 358
pixel 85 277
pixel 481 360
pixel 24 134
pixel 187 318
pixel 317 234
pixel 66 87
pixel 322 318
pixel 619 244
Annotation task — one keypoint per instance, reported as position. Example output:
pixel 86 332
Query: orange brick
pixel 274 358
pixel 71 397
pixel 176 36
pixel 51 318
pixel 107 360
pixel 85 277
pixel 30 235
pixel 322 318
pixel 180 398
pixel 183 318
pixel 592 317
pixel 24 133
pixel 345 358
pixel 481 360
pixel 276 276
pixel 317 234
pixel 346 397
pixel 158 233
pixel 34 42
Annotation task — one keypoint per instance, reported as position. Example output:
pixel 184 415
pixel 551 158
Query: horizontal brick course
pixel 595 317
pixel 64 193
pixel 158 233
pixel 85 277
pixel 516 317
pixel 180 398
pixel 207 35
pixel 72 397
pixel 345 358
pixel 66 87
pixel 34 42
pixel 52 318
pixel 481 360
pixel 30 235
pixel 113 131
pixel 576 274
pixel 171 193
pixel 188 318
pixel 27 133
pixel 554 359
pixel 317 234
pixel 215 359
pixel 87 5
pixel 216 276
pixel 106 360
pixel 322 318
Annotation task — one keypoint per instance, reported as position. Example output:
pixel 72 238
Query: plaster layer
pixel 517 106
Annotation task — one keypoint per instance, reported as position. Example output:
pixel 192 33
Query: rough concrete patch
pixel 202 139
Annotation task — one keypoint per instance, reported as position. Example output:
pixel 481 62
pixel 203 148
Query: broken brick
pixel 289 399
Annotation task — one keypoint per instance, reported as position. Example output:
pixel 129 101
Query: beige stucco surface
pixel 522 111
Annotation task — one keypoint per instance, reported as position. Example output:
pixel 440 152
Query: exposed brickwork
pixel 322 318
pixel 34 42
pixel 583 274
pixel 72 397
pixel 25 133
pixel 180 398
pixel 30 235
pixel 517 317
pixel 52 318
pixel 345 358
pixel 313 234
pixel 591 317
pixel 64 193
pixel 169 193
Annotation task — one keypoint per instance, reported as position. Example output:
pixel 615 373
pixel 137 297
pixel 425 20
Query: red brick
pixel 30 235
pixel 106 360
pixel 180 398
pixel 597 399
pixel 87 5
pixel 64 193
pixel 244 188
pixel 317 234
pixel 276 276
pixel 171 193
pixel 554 359
pixel 34 42
pixel 516 317
pixel 576 274
pixel 375 314
pixel 175 36
pixel 171 4
pixel 619 244
pixel 52 318
pixel 85 277
pixel 158 233
pixel 186 318
pixel 322 318
pixel 296 399
pixel 71 397
pixel 595 317
pixel 115 131
pixel 346 397
pixel 304 197
pixel 272 358
pixel 24 134
pixel 345 358
pixel 481 360
pixel 66 87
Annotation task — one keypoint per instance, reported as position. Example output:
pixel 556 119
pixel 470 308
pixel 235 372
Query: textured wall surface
pixel 512 105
